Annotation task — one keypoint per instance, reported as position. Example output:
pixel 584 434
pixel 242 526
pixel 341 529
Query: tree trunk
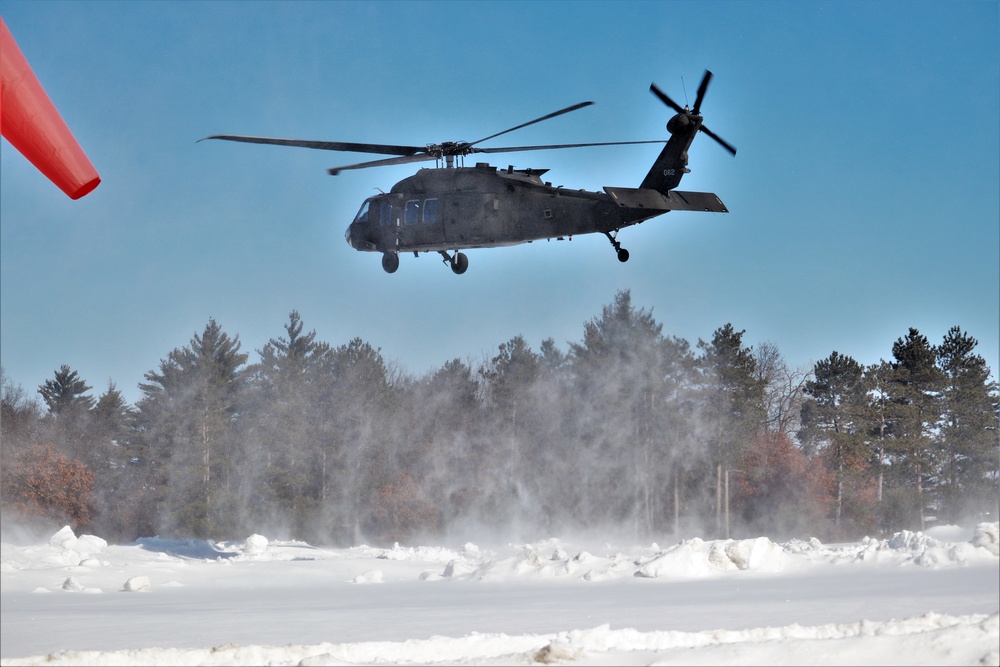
pixel 718 499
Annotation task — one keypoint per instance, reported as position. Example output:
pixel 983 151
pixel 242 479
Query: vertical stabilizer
pixel 671 165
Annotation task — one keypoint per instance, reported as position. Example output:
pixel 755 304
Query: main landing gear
pixel 459 262
pixel 622 252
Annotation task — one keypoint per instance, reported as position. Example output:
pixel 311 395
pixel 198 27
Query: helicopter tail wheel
pixel 622 252
pixel 390 261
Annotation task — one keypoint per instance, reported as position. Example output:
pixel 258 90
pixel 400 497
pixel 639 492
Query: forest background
pixel 629 430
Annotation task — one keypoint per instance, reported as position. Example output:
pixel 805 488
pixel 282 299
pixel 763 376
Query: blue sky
pixel 864 198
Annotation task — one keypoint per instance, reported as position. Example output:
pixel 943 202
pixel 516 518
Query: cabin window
pixel 362 215
pixel 430 210
pixel 411 214
pixel 385 214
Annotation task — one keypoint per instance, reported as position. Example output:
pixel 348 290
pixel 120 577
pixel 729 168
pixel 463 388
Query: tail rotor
pixel 693 115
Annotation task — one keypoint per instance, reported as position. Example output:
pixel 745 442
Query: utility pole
pixel 726 491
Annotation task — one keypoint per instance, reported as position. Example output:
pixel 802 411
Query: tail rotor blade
pixel 665 99
pixel 722 142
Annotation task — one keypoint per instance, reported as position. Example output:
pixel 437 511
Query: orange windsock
pixel 31 123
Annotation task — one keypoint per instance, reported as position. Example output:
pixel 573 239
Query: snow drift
pixel 916 598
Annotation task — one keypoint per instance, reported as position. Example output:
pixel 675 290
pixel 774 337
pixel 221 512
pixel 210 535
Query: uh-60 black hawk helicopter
pixel 448 209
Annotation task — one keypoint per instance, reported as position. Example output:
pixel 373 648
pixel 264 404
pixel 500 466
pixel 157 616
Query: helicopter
pixel 452 207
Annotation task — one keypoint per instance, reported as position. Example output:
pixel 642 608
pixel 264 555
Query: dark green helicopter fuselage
pixel 481 207
pixel 484 207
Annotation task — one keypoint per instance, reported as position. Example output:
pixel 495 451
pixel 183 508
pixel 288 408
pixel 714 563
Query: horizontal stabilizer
pixel 674 200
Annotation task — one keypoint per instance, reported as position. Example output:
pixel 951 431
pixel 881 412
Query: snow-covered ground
pixel 918 598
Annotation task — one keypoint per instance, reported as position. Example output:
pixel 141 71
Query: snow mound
pixel 987 536
pixel 431 554
pixel 928 639
pixel 697 558
pixel 369 577
pixel 907 548
pixel 255 545
pixel 71 585
pixel 72 550
pixel 920 548
pixel 137 584
pixel 686 560
pixel 758 554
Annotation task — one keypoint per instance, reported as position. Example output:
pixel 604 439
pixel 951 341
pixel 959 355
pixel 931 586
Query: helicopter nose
pixel 347 236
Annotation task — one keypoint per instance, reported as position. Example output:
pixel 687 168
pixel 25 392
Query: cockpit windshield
pixel 362 215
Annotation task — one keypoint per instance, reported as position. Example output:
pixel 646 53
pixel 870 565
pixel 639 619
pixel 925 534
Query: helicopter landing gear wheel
pixel 390 261
pixel 459 262
pixel 622 252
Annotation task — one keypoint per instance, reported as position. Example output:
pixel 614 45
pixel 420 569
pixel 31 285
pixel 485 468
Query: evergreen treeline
pixel 628 429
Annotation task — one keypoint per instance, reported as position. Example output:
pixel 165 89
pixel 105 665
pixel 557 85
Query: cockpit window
pixel 430 210
pixel 362 215
pixel 385 213
pixel 411 214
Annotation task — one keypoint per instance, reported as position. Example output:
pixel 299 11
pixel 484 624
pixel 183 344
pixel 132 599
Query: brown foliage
pixel 401 509
pixel 860 493
pixel 781 486
pixel 42 482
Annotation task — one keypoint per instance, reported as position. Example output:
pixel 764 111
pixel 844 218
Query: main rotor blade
pixel 385 149
pixel 537 120
pixel 721 141
pixel 663 98
pixel 406 159
pixel 701 92
pixel 512 149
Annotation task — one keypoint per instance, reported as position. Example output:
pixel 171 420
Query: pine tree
pixel 508 380
pixel 732 403
pixel 189 411
pixel 633 418
pixel 834 421
pixel 508 377
pixel 880 414
pixel 119 462
pixel 112 425
pixel 361 398
pixel 442 445
pixel 612 370
pixel 970 448
pixel 67 422
pixel 293 432
pixel 915 390
pixel 65 393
